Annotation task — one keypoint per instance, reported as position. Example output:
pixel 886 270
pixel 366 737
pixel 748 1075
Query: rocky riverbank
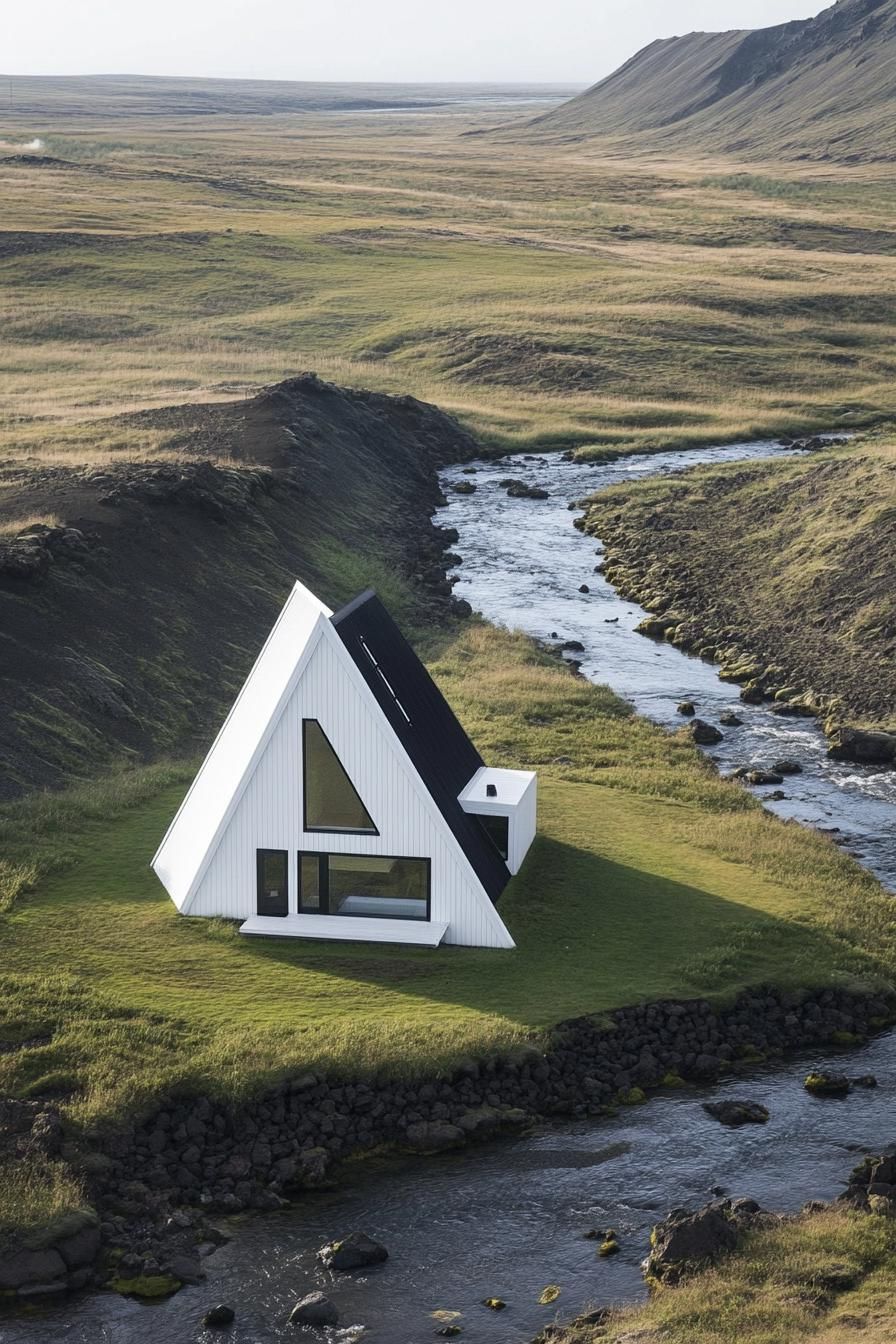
pixel 158 1183
pixel 763 569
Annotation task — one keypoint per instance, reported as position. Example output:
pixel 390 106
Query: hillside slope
pixel 119 635
pixel 789 564
pixel 814 88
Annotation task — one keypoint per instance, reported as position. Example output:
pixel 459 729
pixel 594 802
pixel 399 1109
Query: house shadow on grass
pixel 592 934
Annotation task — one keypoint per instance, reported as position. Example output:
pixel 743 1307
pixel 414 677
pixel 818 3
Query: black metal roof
pixel 425 723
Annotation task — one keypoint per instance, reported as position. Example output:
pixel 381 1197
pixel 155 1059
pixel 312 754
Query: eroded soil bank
pixel 783 572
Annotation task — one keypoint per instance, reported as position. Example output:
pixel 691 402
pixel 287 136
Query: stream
pixel 510 1218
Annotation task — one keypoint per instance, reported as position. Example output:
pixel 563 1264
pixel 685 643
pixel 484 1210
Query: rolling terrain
pixel 813 89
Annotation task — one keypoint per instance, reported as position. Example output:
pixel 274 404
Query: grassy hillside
pixel 825 1278
pixel 819 88
pixel 109 996
pixel 790 562
pixel 546 296
pixel 133 639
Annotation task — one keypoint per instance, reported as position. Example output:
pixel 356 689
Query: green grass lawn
pixel 650 877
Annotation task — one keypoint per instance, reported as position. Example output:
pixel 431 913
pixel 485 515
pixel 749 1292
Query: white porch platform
pixel 421 933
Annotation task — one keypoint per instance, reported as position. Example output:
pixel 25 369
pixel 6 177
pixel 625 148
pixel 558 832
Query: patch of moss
pixel 672 1079
pixel 846 1039
pixel 635 1096
pixel 608 1248
pixel 146 1286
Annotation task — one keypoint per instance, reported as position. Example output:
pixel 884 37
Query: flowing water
pixel 523 564
pixel 509 1219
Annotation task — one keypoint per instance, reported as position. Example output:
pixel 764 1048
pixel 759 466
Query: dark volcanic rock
pixel 687 708
pixel 218 1317
pixel 704 734
pixel 685 1242
pixel 822 1084
pixel 857 744
pixel 356 1251
pixel 729 719
pixel 315 1310
pixel 737 1112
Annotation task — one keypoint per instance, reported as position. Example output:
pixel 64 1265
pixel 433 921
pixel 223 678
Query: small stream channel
pixel 508 1219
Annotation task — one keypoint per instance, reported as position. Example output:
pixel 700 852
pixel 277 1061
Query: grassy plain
pixel 112 997
pixel 549 296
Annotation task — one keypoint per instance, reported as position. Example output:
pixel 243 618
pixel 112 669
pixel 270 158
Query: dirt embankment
pixel 128 627
pixel 782 571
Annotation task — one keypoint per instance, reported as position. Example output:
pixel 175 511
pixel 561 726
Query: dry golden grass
pixel 546 296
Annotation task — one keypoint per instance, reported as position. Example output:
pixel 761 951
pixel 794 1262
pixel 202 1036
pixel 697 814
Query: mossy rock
pixel 827 1084
pixel 635 1096
pixel 846 1039
pixel 750 1054
pixel 607 1248
pixel 672 1079
pixel 494 1303
pixel 146 1286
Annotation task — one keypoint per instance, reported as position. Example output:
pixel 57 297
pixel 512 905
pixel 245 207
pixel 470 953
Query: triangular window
pixel 331 799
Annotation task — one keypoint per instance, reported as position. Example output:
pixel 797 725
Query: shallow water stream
pixel 509 1219
pixel 523 563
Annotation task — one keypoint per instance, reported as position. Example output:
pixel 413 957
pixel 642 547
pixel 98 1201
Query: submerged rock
pixel 316 1309
pixel 729 719
pixel 356 1251
pixel 704 734
pixel 216 1318
pixel 687 708
pixel 737 1112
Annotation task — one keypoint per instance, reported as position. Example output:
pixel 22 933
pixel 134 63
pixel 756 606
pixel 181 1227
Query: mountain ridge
pixel 819 88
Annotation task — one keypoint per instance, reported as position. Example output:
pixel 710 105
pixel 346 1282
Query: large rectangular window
pixel 273 882
pixel 364 885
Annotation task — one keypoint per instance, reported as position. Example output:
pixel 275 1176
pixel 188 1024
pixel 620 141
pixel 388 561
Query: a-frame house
pixel 342 798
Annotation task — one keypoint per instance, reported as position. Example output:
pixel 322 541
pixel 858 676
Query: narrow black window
pixel 273 882
pixel 496 828
pixel 331 800
pixel 312 893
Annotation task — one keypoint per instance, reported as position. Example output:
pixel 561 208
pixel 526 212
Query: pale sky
pixel 571 41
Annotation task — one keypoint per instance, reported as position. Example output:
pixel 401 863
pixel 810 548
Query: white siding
pixel 522 827
pixel 194 832
pixel 269 812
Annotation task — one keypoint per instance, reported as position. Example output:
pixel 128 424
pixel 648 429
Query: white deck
pixel 365 930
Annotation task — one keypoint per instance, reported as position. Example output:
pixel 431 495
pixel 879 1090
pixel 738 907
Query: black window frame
pixel 329 830
pixel 259 874
pixel 323 881
pixel 484 818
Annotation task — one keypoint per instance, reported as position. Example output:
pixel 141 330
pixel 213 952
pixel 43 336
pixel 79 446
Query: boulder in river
pixel 316 1310
pixel 583 588
pixel 863 745
pixel 735 1113
pixel 685 1242
pixel 687 708
pixel 787 767
pixel 704 734
pixel 823 1084
pixel 356 1251
pixel 217 1318
pixel 464 488
pixel 729 719
pixel 762 777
